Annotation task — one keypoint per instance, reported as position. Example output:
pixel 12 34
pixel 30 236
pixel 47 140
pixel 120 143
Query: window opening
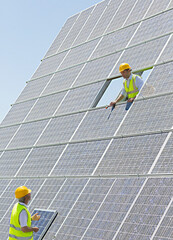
pixel 113 88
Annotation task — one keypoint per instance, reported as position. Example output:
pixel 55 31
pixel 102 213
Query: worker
pixel 20 223
pixel 131 85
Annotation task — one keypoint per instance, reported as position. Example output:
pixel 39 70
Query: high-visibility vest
pixel 132 90
pixel 15 231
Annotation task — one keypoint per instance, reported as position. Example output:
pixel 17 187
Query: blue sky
pixel 28 28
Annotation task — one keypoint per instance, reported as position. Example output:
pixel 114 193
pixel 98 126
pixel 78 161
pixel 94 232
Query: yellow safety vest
pixel 132 90
pixel 15 231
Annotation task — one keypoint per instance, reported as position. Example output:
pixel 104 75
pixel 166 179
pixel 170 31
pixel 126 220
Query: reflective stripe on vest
pixel 132 90
pixel 19 238
pixel 15 231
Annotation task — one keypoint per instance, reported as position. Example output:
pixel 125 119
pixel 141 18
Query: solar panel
pixel 159 82
pixel 18 113
pixel 79 54
pixel 167 53
pixel 6 134
pixel 62 35
pixel 115 41
pixel 162 5
pixel 49 65
pixel 139 12
pixel 28 134
pixel 132 155
pixel 165 163
pixel 149 28
pixel 33 89
pixel 148 115
pixel 82 19
pixel 90 24
pixel 45 106
pixel 97 125
pixel 80 98
pixel 62 80
pixel 121 15
pixel 47 218
pixel 105 19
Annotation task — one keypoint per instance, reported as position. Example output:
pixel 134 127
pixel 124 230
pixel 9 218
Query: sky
pixel 28 28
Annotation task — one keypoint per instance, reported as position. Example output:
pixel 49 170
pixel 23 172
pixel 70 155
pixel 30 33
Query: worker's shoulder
pixel 137 77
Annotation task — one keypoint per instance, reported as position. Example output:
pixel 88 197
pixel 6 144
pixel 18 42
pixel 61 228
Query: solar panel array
pixel 107 179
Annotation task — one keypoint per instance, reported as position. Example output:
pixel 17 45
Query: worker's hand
pixel 112 103
pixel 35 217
pixel 35 229
pixel 130 99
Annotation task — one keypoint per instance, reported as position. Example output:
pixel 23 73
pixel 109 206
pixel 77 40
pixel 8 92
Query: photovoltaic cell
pixel 160 81
pixel 62 80
pixel 84 209
pixel 10 161
pixel 161 6
pixel 6 134
pixel 132 155
pixel 80 158
pixel 121 15
pixel 62 35
pixel 141 56
pixel 76 29
pixel 165 161
pixel 165 230
pixel 28 134
pixel 80 98
pixel 147 210
pixel 104 21
pixel 96 123
pixel 154 27
pixel 97 69
pixel 114 208
pixel 64 201
pixel 18 113
pixel 33 89
pixel 49 65
pixel 115 41
pixel 60 129
pixel 90 24
pixel 148 115
pixel 79 54
pixel 40 161
pixel 138 12
pixel 45 106
pixel 45 221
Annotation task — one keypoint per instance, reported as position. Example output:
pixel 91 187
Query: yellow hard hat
pixel 124 66
pixel 22 191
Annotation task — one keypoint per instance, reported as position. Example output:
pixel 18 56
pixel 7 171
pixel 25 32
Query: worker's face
pixel 126 73
pixel 28 197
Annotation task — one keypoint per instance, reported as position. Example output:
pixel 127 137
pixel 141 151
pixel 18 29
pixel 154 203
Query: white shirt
pixel 139 82
pixel 23 217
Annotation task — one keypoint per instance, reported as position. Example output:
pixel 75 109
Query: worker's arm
pixel 29 229
pixel 117 100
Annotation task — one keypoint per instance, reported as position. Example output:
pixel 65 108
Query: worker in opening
pixel 131 85
pixel 20 223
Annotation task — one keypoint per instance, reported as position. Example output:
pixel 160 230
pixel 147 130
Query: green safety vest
pixel 132 90
pixel 15 231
